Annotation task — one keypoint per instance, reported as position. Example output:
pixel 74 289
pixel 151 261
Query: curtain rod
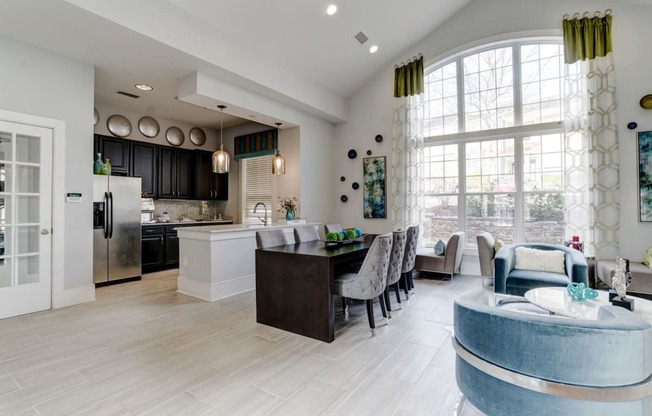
pixel 414 58
pixel 587 14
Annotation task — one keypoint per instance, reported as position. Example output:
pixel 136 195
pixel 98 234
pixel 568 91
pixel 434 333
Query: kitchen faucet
pixel 264 220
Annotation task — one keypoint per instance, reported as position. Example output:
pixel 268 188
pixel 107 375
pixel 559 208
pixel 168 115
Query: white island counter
pixel 219 261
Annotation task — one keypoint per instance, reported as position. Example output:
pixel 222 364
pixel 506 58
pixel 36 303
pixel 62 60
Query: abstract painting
pixel 374 191
pixel 645 175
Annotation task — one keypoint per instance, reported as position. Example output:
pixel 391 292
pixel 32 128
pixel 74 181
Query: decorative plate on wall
pixel 119 125
pixel 148 126
pixel 355 185
pixel 96 117
pixel 342 178
pixel 646 102
pixel 174 136
pixel 368 152
pixel 197 136
pixel 344 198
pixel 352 154
pixel 379 138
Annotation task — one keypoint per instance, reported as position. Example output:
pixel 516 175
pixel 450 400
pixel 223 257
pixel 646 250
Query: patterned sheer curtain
pixel 591 134
pixel 407 145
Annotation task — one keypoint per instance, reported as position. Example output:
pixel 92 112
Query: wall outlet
pixel 185 260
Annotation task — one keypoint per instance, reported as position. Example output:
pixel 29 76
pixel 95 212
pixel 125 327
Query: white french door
pixel 25 219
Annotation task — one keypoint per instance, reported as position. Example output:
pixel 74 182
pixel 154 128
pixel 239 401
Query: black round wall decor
pixel 355 185
pixel 632 125
pixel 352 154
pixel 344 198
pixel 368 152
pixel 342 178
pixel 379 138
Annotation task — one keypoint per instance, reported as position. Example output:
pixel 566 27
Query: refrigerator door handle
pixel 111 215
pixel 106 215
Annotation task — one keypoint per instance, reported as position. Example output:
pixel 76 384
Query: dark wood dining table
pixel 294 284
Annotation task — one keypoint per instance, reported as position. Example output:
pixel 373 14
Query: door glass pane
pixel 5 239
pixel 5 145
pixel 28 149
pixel 5 210
pixel 5 177
pixel 5 272
pixel 27 179
pixel 27 208
pixel 27 239
pixel 27 269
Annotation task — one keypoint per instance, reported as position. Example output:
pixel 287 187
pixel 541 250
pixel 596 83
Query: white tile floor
pixel 143 349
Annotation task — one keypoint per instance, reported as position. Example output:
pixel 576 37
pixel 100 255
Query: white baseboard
pixel 74 296
pixel 220 290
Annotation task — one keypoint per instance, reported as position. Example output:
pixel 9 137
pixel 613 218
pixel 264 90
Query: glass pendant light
pixel 278 163
pixel 220 157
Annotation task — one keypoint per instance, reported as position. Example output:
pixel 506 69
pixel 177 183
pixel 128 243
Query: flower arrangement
pixel 288 204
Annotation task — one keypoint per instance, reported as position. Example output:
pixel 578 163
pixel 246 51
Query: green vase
pixel 97 166
pixel 289 215
pixel 106 168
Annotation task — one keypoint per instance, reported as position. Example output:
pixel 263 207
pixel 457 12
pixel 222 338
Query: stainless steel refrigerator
pixel 116 229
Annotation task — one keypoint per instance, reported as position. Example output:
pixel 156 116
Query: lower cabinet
pixel 160 246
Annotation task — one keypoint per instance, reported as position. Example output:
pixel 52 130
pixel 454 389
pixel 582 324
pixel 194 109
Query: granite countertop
pixel 198 223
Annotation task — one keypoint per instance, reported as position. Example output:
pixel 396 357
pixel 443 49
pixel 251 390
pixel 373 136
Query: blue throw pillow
pixel 440 248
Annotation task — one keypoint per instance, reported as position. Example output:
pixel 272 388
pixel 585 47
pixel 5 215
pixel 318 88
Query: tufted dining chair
pixel 370 281
pixel 306 233
pixel 411 241
pixel 332 228
pixel 270 238
pixel 394 269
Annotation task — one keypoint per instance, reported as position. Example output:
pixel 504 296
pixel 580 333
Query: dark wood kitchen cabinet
pixel 116 150
pixel 171 247
pixel 174 173
pixel 153 248
pixel 143 165
pixel 209 185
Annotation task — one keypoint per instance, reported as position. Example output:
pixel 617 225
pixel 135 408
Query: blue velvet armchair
pixel 511 281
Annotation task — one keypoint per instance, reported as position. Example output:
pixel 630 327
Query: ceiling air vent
pixel 128 94
pixel 361 38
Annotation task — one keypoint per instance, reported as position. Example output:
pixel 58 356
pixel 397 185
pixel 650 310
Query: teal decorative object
pixel 358 232
pixel 97 166
pixel 440 248
pixel 579 292
pixel 289 215
pixel 106 168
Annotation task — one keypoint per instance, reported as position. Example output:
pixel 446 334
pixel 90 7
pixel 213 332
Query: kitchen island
pixel 219 261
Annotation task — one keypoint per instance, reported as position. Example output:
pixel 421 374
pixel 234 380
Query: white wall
pixel 41 83
pixel 481 22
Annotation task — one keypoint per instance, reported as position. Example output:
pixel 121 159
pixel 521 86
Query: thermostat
pixel 73 197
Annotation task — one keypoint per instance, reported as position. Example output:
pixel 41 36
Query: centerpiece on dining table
pixel 348 236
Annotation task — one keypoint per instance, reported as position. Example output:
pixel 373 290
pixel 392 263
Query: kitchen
pixel 144 146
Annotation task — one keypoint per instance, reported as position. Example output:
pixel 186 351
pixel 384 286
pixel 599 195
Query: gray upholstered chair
pixel 331 228
pixel 395 266
pixel 449 263
pixel 486 255
pixel 270 238
pixel 412 239
pixel 514 362
pixel 306 233
pixel 511 281
pixel 370 281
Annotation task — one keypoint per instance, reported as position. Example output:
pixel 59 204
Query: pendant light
pixel 278 163
pixel 220 157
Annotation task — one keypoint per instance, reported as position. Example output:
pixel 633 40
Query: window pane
pixel 544 218
pixel 490 212
pixel 441 218
pixel 472 83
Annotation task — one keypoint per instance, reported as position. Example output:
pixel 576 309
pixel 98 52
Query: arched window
pixel 494 155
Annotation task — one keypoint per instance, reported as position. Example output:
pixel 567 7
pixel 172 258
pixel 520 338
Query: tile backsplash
pixel 178 209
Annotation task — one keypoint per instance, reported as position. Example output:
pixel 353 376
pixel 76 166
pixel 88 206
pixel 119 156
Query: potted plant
pixel 289 205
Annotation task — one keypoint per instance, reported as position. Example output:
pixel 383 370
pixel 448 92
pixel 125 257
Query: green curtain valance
pixel 255 144
pixel 586 38
pixel 408 78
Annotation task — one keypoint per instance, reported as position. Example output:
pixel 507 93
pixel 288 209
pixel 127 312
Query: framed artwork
pixel 645 175
pixel 374 191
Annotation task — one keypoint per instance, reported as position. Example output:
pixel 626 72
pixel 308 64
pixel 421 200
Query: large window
pixel 257 186
pixel 494 156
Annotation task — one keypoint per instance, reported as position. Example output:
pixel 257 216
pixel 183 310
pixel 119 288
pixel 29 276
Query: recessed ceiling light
pixel 144 87
pixel 373 49
pixel 331 10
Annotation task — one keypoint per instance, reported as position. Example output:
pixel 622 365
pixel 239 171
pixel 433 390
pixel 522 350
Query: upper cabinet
pixel 209 185
pixel 174 168
pixel 144 157
pixel 166 172
pixel 116 150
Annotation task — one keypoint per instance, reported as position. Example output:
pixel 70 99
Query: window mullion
pixel 461 189
pixel 519 199
pixel 461 118
pixel 516 74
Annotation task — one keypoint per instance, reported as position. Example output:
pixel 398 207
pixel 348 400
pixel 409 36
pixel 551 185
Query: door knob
pixel 45 231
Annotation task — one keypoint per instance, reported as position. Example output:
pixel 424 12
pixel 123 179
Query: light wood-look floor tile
pixel 144 349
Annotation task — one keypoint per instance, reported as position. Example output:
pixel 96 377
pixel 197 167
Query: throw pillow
pixel 498 244
pixel 541 260
pixel 647 259
pixel 440 248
